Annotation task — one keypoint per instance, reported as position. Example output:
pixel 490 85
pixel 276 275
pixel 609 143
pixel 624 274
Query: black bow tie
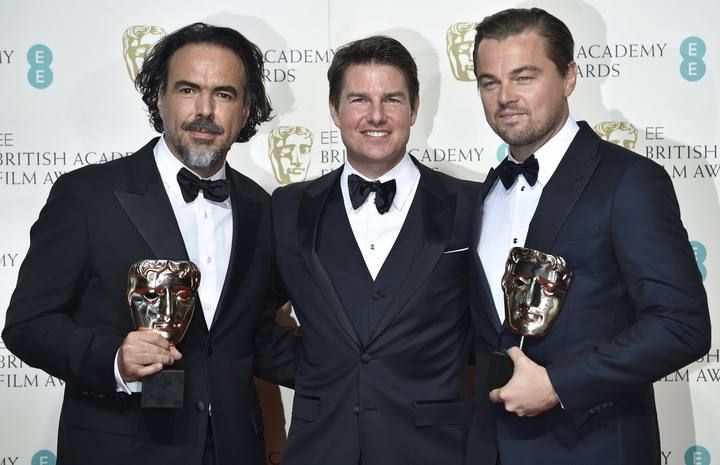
pixel 190 185
pixel 360 189
pixel 509 171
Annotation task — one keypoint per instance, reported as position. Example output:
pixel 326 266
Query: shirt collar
pixel 169 166
pixel 550 154
pixel 405 174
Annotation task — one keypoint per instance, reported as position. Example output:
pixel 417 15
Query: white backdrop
pixel 67 100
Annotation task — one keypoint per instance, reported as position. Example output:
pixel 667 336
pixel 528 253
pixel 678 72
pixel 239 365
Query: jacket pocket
pixel 305 407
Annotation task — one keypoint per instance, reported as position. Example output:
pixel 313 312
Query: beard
pixel 197 157
pixel 532 132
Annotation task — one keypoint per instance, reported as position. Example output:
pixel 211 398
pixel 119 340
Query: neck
pixel 373 171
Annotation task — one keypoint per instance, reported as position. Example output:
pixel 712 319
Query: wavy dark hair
pixel 380 50
pixel 152 78
pixel 559 43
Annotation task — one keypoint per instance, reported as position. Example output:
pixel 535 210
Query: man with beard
pixel 175 198
pixel 636 308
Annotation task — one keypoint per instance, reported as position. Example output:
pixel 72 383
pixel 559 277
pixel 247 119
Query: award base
pixel 164 389
pixel 500 370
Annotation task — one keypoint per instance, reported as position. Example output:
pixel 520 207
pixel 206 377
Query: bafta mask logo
pixel 535 286
pixel 137 41
pixel 289 150
pixel 618 132
pixel 460 41
pixel 162 295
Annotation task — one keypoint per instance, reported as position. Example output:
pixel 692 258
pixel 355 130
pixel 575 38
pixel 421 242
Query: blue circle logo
pixel 502 152
pixel 692 67
pixel 700 257
pixel 697 455
pixel 43 457
pixel 40 58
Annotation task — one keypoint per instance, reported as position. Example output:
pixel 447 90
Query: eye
pixel 186 90
pixel 151 296
pixel 488 84
pixel 225 96
pixel 522 79
pixel 184 296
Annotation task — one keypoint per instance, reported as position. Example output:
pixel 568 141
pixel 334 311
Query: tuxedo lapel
pixel 246 218
pixel 563 189
pixel 309 214
pixel 148 207
pixel 438 211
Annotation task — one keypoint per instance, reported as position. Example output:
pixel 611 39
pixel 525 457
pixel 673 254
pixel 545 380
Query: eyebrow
pixel 514 72
pixel 389 94
pixel 182 83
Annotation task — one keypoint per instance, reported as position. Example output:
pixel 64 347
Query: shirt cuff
pixel 121 385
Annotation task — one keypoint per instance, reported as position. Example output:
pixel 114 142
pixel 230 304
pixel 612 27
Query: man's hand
pixel 143 353
pixel 529 392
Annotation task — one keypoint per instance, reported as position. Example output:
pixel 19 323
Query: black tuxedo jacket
pixel 636 309
pixel 382 373
pixel 69 315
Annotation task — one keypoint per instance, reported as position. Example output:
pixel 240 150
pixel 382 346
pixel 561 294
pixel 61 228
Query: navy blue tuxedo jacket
pixel 382 373
pixel 636 310
pixel 69 314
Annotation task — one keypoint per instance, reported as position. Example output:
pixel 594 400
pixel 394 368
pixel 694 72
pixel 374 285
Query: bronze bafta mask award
pixel 162 295
pixel 535 285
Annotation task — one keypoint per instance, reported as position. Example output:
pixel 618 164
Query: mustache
pixel 202 123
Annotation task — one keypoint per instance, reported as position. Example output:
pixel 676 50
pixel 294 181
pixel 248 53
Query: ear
pixel 570 79
pixel 414 110
pixel 334 114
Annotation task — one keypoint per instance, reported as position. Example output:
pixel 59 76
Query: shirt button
pixel 522 188
pixel 515 240
pixel 208 260
pixel 205 215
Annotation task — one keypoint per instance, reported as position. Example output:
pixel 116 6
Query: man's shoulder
pixel 294 191
pixel 247 186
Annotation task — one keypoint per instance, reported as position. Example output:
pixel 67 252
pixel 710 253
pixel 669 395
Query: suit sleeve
pixel 671 322
pixel 39 325
pixel 277 348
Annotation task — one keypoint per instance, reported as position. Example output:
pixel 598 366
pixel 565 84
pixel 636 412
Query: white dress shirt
pixel 507 213
pixel 375 234
pixel 206 228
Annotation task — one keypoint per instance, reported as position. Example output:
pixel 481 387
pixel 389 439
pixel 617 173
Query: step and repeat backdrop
pixel 648 80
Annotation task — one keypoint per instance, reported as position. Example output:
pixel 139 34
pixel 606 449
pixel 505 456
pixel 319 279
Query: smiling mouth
pixel 375 133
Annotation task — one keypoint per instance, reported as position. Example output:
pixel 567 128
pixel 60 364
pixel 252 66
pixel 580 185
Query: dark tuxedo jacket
pixel 382 373
pixel 69 314
pixel 636 309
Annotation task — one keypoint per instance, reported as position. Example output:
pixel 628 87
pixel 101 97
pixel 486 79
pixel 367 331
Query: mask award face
pixel 535 285
pixel 162 295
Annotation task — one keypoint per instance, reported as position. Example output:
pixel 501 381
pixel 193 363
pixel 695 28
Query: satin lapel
pixel 149 209
pixel 438 215
pixel 246 223
pixel 483 287
pixel 309 214
pixel 563 189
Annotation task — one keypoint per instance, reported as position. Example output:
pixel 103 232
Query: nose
pixel 205 105
pixel 506 94
pixel 295 156
pixel 167 308
pixel 534 294
pixel 376 113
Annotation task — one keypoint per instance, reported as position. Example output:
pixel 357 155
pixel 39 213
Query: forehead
pixel 366 77
pixel 206 61
pixel 533 267
pixel 524 49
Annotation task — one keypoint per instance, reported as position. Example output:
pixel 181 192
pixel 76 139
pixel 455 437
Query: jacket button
pixel 377 296
pixel 200 406
pixel 365 358
pixel 356 410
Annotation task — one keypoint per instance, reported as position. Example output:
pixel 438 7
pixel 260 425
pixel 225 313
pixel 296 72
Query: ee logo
pixel 692 67
pixel 40 58
pixel 700 257
pixel 697 455
pixel 43 457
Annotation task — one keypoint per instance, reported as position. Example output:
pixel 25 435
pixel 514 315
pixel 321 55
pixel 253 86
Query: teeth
pixel 376 133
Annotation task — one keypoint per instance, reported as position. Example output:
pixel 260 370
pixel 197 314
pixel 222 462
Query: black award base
pixel 500 370
pixel 164 389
